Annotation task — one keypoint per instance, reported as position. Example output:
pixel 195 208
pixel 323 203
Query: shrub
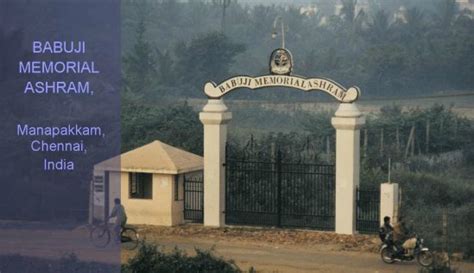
pixel 440 265
pixel 427 198
pixel 150 259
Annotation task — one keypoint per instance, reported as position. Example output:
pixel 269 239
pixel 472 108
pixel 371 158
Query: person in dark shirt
pixel 385 229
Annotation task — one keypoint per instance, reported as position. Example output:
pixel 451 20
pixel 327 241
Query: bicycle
pixel 100 236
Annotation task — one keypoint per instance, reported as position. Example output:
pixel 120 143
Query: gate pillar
pixel 389 201
pixel 347 122
pixel 214 117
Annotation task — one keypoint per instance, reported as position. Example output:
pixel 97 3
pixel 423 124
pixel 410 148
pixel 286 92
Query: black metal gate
pixel 194 198
pixel 368 210
pixel 280 194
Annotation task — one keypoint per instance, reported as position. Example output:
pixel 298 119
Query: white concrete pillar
pixel 347 121
pixel 389 201
pixel 215 117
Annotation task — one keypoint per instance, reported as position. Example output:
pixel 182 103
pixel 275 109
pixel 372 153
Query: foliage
pixel 151 259
pixel 427 197
pixel 177 125
pixel 433 190
pixel 205 57
pixel 140 64
pixel 437 130
pixel 393 48
pixel 440 137
pixel 439 266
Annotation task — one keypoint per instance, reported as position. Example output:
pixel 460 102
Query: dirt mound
pixel 366 243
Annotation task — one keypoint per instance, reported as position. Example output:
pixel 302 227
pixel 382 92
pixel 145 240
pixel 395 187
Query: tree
pixel 140 64
pixel 352 19
pixel 414 54
pixel 225 4
pixel 177 125
pixel 414 23
pixel 445 13
pixel 170 10
pixel 378 28
pixel 207 57
pixel 165 68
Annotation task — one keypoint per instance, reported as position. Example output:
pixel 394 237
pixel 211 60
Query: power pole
pixel 275 33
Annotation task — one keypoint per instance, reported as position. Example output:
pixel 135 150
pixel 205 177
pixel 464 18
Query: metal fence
pixel 368 210
pixel 194 198
pixel 273 193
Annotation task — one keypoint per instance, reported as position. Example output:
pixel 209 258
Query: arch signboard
pixel 281 66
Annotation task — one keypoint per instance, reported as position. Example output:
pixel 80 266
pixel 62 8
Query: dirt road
pixel 264 256
pixel 286 259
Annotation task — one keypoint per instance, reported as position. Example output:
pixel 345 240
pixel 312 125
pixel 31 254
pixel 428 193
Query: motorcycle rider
pixel 385 229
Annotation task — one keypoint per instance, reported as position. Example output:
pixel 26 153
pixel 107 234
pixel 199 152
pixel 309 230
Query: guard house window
pixel 140 185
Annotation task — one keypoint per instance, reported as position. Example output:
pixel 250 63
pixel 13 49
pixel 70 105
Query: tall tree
pixel 414 22
pixel 207 57
pixel 378 28
pixel 140 63
pixel 165 73
pixel 445 13
pixel 352 18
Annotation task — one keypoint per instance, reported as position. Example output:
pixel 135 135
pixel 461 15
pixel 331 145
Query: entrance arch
pixel 347 121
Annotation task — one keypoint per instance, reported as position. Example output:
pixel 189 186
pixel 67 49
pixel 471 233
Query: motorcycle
pixel 391 253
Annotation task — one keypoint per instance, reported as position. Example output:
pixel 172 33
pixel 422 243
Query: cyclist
pixel 120 218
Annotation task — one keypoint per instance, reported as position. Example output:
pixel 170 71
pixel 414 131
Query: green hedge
pixel 151 259
pixel 429 200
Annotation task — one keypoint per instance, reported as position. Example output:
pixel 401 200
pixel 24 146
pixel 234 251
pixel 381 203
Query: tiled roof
pixel 155 157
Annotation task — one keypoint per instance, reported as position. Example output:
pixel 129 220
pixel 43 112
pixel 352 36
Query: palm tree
pixel 445 13
pixel 414 22
pixel 351 19
pixel 348 10
pixel 352 23
pixel 379 27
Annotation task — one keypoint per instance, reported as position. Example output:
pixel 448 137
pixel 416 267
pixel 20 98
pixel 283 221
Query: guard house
pixel 149 181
